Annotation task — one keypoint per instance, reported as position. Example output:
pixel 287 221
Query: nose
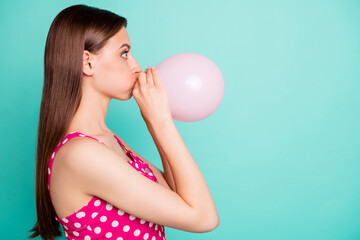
pixel 136 69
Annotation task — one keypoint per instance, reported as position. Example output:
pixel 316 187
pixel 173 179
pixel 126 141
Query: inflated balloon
pixel 194 85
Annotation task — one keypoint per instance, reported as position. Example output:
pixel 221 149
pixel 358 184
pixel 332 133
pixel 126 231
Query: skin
pixel 84 168
pixel 111 74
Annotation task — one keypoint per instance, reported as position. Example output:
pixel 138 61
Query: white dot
pixel 119 238
pixel 80 215
pixel 132 217
pixel 115 223
pixel 150 174
pixel 94 214
pixel 150 224
pixel 53 155
pixel 88 227
pixel 142 221
pixel 146 236
pixel 159 233
pixel 77 225
pixel 137 232
pixel 126 228
pixel 87 238
pixel 137 165
pixel 65 141
pixel 65 220
pixel 48 170
pixel 103 218
pixel 97 230
pixel 108 235
pixel 66 234
pixel 156 226
pixel 120 212
pixel 65 227
pixel 109 206
pixel 97 203
pixel 153 238
pixel 81 135
pixel 76 233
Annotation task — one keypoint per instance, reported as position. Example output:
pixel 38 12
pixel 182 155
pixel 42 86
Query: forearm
pixel 167 170
pixel 190 183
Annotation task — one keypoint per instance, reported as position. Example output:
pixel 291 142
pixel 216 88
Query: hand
pixel 151 97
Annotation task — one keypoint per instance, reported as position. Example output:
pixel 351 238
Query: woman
pixel 87 177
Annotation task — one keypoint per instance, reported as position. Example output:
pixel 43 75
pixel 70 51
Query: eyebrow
pixel 125 44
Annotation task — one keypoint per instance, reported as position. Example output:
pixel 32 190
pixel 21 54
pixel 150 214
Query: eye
pixel 126 53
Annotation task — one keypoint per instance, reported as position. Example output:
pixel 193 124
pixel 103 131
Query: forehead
pixel 119 38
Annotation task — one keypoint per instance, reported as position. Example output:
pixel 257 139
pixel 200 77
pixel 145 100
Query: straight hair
pixel 74 29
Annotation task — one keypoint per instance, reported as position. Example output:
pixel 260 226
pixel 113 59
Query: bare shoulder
pixel 64 177
pixel 159 174
pixel 84 158
pixel 75 153
pixel 99 171
pixel 79 145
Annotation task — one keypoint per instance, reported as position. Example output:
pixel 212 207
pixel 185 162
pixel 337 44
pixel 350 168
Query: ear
pixel 87 67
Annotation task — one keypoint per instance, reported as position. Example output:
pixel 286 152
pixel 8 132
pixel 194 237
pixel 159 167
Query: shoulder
pixel 87 160
pixel 81 151
pixel 79 146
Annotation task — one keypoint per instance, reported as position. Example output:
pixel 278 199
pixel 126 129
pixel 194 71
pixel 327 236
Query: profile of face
pixel 114 71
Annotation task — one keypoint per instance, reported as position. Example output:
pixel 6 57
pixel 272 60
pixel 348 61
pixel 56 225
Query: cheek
pixel 114 82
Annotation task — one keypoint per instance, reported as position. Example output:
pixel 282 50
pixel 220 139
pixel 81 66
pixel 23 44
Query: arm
pixel 167 170
pixel 186 175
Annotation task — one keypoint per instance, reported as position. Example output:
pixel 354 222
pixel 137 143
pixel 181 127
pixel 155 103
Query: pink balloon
pixel 194 85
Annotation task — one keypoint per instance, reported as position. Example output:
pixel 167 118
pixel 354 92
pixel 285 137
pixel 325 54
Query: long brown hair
pixel 74 29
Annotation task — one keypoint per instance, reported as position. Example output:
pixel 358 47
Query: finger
pixel 149 78
pixel 156 77
pixel 142 79
pixel 136 87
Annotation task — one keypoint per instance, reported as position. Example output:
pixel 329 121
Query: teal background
pixel 281 154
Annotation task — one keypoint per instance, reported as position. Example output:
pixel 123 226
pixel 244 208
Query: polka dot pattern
pixel 99 219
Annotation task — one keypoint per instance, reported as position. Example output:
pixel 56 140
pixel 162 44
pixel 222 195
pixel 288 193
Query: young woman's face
pixel 114 70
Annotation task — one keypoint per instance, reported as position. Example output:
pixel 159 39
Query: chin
pixel 130 96
pixel 123 98
pixel 123 95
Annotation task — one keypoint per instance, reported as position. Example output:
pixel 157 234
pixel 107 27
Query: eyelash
pixel 125 52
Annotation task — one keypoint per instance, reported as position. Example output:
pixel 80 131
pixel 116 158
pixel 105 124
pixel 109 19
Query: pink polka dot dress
pixel 98 219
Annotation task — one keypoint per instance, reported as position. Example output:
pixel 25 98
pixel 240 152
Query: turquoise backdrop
pixel 281 155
